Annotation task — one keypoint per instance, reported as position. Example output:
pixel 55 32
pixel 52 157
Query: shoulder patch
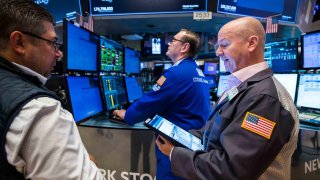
pixel 258 125
pixel 161 80
pixel 200 73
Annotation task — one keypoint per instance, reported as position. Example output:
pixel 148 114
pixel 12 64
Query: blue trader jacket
pixel 180 95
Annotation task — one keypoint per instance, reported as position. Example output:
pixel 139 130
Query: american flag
pixel 161 80
pixel 271 24
pixel 258 125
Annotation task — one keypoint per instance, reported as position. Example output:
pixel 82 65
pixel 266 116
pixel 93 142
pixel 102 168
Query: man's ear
pixel 253 43
pixel 17 42
pixel 185 47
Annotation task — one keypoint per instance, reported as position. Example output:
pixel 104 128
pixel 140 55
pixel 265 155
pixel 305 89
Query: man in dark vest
pixel 39 139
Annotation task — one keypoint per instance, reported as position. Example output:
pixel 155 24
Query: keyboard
pixel 309 118
pixel 116 119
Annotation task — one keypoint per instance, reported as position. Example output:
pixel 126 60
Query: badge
pixel 232 93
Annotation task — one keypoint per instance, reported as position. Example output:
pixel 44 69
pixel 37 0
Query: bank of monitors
pixel 111 56
pixel 131 61
pixel 80 49
pixel 114 92
pixel 84 96
pixel 222 84
pixel 210 68
pixel 310 50
pixel 282 56
pixel 287 9
pixel 61 9
pixel 308 95
pixel 134 88
pixel 289 81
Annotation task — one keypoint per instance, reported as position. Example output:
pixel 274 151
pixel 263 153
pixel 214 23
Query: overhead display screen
pixel 286 9
pixel 112 7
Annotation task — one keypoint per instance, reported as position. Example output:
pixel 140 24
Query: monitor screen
pixel 310 49
pixel 61 9
pixel 154 45
pixel 131 61
pixel 81 47
pixel 167 66
pixel 282 56
pixel 316 11
pixel 111 55
pixel 289 81
pixel 81 91
pixel 222 68
pixel 286 9
pixel 308 94
pixel 109 7
pixel 210 68
pixel 134 88
pixel 114 91
pixel 222 84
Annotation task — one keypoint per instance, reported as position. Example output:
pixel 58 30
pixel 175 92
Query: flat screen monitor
pixel 112 55
pixel 114 92
pixel 154 45
pixel 131 61
pixel 282 56
pixel 167 66
pixel 134 88
pixel 308 95
pixel 222 84
pixel 109 7
pixel 289 81
pixel 210 68
pixel 61 8
pixel 310 50
pixel 80 48
pixel 222 68
pixel 287 9
pixel 85 96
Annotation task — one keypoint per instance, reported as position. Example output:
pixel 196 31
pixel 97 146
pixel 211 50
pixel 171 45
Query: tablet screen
pixel 174 133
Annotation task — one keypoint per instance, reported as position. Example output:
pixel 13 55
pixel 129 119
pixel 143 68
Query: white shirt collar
pixel 178 62
pixel 28 71
pixel 247 72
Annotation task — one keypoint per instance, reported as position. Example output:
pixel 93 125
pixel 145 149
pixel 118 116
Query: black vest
pixel 16 90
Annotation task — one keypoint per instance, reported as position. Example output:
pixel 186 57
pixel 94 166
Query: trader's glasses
pixel 174 39
pixel 55 44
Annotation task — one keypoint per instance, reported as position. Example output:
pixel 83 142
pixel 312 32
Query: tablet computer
pixel 175 134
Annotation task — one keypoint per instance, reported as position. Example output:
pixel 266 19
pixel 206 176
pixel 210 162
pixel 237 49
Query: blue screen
pixel 61 8
pixel 85 96
pixel 111 55
pixel 310 50
pixel 282 56
pixel 286 9
pixel 210 68
pixel 114 91
pixel 81 48
pixel 134 88
pixel 132 61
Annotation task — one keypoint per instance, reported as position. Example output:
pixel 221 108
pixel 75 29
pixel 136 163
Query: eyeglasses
pixel 55 44
pixel 174 39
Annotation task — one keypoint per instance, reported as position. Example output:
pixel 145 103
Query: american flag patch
pixel 161 80
pixel 258 125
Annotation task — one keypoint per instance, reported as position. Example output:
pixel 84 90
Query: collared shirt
pixel 26 70
pixel 43 142
pixel 178 62
pixel 235 79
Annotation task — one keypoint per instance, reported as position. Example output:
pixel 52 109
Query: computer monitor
pixel 222 84
pixel 112 55
pixel 310 50
pixel 80 48
pixel 289 81
pixel 308 95
pixel 167 66
pixel 61 8
pixel 222 68
pixel 210 68
pixel 134 88
pixel 131 61
pixel 114 92
pixel 282 56
pixel 85 97
pixel 286 9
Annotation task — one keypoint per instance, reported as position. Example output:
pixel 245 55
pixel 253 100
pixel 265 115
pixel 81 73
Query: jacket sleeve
pixel 239 153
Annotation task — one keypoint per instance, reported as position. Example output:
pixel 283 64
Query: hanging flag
pixel 271 24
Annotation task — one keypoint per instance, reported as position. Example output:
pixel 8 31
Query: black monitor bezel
pixel 65 49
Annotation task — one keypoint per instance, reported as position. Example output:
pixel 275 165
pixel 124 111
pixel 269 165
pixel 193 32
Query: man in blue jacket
pixel 180 95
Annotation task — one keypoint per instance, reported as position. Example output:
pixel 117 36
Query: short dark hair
pixel 21 15
pixel 193 39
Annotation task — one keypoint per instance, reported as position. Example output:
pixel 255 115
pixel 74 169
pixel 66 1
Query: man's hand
pixel 119 113
pixel 164 145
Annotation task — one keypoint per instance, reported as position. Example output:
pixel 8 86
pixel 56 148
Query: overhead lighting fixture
pixel 132 37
